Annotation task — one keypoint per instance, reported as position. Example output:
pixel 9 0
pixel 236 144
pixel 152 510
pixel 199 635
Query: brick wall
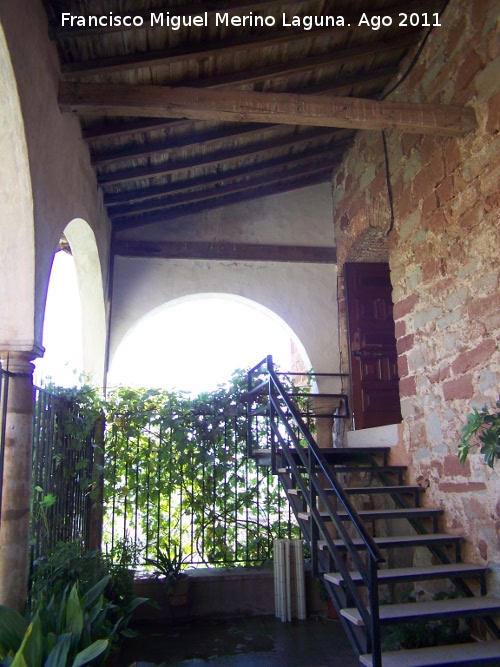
pixel 443 251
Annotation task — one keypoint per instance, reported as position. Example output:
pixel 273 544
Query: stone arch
pixel 82 242
pixel 371 246
pixel 302 294
pixel 17 252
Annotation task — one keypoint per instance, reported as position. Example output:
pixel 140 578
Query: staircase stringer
pixel 283 414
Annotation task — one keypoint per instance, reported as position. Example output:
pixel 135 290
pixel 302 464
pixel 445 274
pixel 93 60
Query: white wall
pixel 63 184
pixel 303 295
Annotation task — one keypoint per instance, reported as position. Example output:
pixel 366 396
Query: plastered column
pixel 16 485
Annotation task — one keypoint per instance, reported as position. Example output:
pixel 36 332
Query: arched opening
pixel 194 343
pixel 83 247
pixel 74 330
pixel 17 251
pixel 62 362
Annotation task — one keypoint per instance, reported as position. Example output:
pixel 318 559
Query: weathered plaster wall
pixel 443 254
pixel 300 217
pixel 303 295
pixel 62 181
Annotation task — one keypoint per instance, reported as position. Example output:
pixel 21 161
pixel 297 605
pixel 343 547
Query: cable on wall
pixel 410 67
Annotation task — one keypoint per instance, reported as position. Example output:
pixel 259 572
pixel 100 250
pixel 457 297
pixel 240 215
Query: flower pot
pixel 332 612
pixel 179 592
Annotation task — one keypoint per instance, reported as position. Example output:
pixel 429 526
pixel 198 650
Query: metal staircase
pixel 358 518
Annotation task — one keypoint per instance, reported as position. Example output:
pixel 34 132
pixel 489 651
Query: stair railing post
pixel 249 415
pixel 272 414
pixel 376 649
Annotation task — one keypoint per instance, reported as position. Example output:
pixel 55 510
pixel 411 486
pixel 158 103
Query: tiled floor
pixel 246 642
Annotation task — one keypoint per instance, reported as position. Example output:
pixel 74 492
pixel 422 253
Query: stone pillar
pixel 16 483
pixel 325 406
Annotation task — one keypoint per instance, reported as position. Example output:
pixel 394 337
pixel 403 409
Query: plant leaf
pixel 12 630
pixel 74 615
pixel 90 653
pixel 59 654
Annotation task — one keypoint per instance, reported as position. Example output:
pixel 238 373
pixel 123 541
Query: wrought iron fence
pixel 186 484
pixel 63 458
pixel 182 482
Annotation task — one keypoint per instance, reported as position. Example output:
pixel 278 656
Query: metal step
pixel 363 467
pixel 390 575
pixel 362 490
pixel 391 542
pixel 345 455
pixel 391 614
pixel 486 654
pixel 375 515
pixel 356 490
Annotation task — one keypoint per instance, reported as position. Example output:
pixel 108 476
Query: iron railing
pixel 187 485
pixel 63 459
pixel 62 471
pixel 301 465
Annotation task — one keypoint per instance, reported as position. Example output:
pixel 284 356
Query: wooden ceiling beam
pixel 196 209
pixel 252 106
pixel 126 198
pixel 173 144
pixel 135 61
pixel 234 132
pixel 225 47
pixel 217 158
pixel 310 64
pixel 247 252
pixel 191 197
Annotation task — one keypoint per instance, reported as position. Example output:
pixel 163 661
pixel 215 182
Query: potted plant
pixel 484 427
pixel 324 596
pixel 169 566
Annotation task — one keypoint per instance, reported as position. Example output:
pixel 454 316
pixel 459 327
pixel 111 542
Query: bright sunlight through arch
pixel 62 362
pixel 195 343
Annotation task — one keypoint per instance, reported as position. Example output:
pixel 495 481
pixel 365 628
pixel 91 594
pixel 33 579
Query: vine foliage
pixel 482 427
pixel 173 475
pixel 177 477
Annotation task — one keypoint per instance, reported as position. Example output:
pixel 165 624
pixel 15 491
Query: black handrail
pixel 312 459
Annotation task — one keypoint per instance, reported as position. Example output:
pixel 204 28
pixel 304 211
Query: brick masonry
pixel 443 250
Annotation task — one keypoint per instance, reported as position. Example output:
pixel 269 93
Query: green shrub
pixel 485 427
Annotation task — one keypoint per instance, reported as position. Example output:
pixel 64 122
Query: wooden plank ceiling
pixel 164 161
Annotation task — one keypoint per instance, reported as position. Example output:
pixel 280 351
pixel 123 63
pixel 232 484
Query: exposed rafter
pixel 208 114
pixel 136 61
pixel 286 108
pixel 174 212
pixel 208 159
pixel 226 251
pixel 122 129
pixel 129 199
pixel 306 169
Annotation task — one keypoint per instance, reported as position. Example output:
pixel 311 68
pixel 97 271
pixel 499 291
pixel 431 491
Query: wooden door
pixel 372 345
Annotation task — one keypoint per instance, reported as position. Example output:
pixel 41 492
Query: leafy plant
pixel 68 564
pixel 126 552
pixel 485 427
pixel 168 565
pixel 178 465
pixel 62 633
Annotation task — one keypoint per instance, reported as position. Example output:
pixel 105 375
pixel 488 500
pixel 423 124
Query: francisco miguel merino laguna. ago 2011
pixel 308 22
